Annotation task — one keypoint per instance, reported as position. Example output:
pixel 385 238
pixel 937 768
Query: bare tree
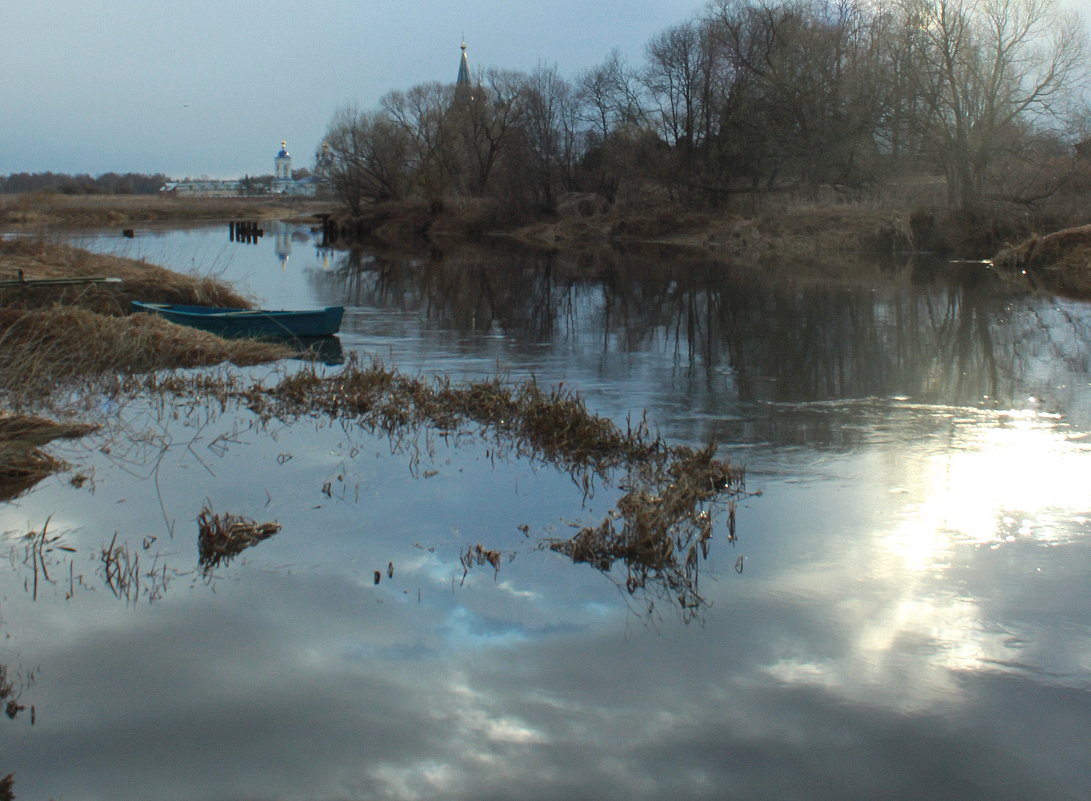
pixel 609 97
pixel 422 114
pixel 481 121
pixel 368 158
pixel 991 71
pixel 550 129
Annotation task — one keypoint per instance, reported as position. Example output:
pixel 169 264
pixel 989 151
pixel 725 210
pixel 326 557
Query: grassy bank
pixel 833 239
pixel 52 336
pixel 38 210
pixel 1059 263
pixel 781 227
pixel 54 339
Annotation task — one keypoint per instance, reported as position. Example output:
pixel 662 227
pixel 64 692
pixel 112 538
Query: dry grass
pixel 22 462
pixel 9 701
pixel 56 337
pixel 662 527
pixel 139 280
pixel 1059 262
pixel 41 209
pixel 43 351
pixel 222 537
pixel 553 424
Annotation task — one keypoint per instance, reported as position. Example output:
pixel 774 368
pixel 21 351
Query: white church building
pixel 283 183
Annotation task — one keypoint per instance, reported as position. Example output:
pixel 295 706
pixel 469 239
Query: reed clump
pixel 1059 262
pixel 662 528
pixel 222 537
pixel 9 702
pixel 552 424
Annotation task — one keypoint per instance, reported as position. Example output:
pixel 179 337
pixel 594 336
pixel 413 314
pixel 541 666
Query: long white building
pixel 283 183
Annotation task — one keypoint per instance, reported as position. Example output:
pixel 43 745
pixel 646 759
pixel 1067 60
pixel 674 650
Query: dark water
pixel 911 619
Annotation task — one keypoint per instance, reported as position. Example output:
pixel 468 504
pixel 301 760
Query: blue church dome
pixel 283 154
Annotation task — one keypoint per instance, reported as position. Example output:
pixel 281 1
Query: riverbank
pixel 779 229
pixel 837 237
pixel 39 210
pixel 59 338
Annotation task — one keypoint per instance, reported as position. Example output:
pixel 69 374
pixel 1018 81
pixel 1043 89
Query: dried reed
pixel 662 527
pixel 221 537
pixel 139 280
pixel 554 425
pixel 43 351
pixel 22 463
pixel 9 699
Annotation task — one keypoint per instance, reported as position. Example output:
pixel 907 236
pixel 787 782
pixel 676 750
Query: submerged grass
pixel 659 531
pixel 81 340
pixel 71 338
pixel 553 424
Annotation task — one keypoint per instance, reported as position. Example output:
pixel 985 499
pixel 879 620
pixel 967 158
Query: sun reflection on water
pixel 1022 477
pixel 959 530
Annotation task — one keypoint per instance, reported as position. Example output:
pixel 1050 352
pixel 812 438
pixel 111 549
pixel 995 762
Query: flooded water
pixel 904 615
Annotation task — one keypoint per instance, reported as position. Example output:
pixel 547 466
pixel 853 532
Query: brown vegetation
pixel 22 462
pixel 1059 262
pixel 661 528
pixel 222 537
pixel 53 338
pixel 51 348
pixel 36 258
pixel 39 210
pixel 552 424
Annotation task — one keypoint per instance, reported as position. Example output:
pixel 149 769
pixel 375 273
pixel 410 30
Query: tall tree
pixel 369 156
pixel 990 72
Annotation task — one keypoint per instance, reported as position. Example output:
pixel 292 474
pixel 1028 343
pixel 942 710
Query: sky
pixel 211 87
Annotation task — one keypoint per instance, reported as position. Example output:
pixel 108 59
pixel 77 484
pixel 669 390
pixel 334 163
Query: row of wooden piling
pixel 245 231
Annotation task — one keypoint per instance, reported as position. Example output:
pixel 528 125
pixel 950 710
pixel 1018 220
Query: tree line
pixel 755 97
pixel 110 183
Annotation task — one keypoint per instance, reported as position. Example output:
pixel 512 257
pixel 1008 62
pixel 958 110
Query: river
pixel 904 613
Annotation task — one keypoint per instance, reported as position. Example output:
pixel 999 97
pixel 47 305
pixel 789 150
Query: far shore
pixel 40 210
pixel 784 230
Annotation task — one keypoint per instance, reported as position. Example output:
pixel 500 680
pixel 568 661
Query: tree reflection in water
pixel 931 331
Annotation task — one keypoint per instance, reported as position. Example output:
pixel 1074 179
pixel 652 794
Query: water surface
pixel 904 614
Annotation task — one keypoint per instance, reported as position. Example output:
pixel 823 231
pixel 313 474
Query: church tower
pixel 282 169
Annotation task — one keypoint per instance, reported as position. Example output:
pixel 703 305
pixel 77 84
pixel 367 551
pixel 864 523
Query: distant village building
pixel 283 182
pixel 204 187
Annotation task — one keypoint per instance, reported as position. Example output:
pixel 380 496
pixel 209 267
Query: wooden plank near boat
pixel 21 281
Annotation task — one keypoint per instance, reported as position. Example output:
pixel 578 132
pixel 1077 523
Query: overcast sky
pixel 210 87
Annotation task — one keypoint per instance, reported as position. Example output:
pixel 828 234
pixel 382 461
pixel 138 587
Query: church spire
pixel 463 69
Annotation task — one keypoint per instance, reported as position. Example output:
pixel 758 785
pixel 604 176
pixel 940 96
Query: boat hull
pixel 256 323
